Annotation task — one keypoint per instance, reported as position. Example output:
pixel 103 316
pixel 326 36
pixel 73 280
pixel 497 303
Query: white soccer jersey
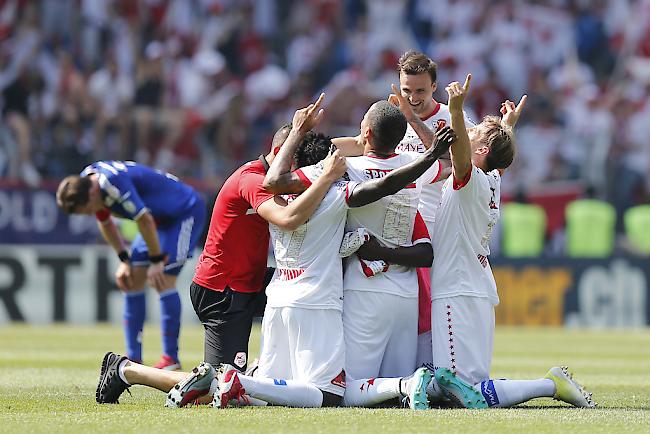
pixel 431 190
pixel 309 270
pixel 392 220
pixel 468 212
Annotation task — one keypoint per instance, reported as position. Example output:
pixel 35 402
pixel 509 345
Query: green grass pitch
pixel 48 377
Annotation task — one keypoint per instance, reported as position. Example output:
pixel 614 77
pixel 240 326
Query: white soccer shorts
pixel 462 330
pixel 304 345
pixel 380 334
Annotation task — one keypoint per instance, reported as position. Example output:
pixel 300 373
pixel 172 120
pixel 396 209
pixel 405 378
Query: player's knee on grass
pixel 331 400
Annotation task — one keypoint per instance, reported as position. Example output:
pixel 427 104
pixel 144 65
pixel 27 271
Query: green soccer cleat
pixel 416 389
pixel 567 389
pixel 460 392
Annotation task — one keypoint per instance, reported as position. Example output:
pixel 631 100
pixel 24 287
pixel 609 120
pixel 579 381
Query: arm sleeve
pixel 309 174
pixel 432 174
pixel 121 191
pixel 420 232
pixel 475 186
pixel 251 190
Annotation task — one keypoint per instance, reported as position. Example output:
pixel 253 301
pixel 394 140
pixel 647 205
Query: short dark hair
pixel 388 125
pixel 313 148
pixel 73 191
pixel 501 141
pixel 414 63
pixel 280 136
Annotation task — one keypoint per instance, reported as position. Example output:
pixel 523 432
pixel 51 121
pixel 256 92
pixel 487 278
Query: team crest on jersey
pixel 440 124
pixel 129 206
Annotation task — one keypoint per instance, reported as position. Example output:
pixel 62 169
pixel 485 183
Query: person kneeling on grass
pixel 302 359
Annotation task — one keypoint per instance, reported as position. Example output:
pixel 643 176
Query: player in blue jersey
pixel 170 216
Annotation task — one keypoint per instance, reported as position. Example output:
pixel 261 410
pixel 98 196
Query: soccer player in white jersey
pixel 302 359
pixel 417 84
pixel 381 333
pixel 464 291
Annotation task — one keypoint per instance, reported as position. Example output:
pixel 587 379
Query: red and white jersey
pixel 392 220
pixel 431 190
pixel 309 271
pixel 468 212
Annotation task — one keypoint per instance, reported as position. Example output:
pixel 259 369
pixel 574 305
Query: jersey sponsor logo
pixel 278 382
pixel 240 359
pixel 339 380
pixel 290 274
pixel 411 147
pixel 380 173
pixel 489 393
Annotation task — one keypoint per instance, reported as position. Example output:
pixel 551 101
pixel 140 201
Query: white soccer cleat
pixel 416 389
pixel 230 388
pixel 567 389
pixel 195 385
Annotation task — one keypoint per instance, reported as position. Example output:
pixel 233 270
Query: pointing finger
pixel 521 105
pixel 468 80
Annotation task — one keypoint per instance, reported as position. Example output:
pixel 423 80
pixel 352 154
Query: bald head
pixel 279 138
pixel 387 124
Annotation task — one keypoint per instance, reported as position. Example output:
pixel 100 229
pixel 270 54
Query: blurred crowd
pixel 198 86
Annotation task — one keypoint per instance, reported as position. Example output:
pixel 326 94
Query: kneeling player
pixel 464 291
pixel 302 360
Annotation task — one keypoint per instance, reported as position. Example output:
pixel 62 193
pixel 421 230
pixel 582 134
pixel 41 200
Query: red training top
pixel 236 248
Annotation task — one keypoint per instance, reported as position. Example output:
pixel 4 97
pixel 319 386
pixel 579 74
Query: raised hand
pixel 397 99
pixel 307 118
pixel 457 94
pixel 509 113
pixel 443 140
pixel 334 166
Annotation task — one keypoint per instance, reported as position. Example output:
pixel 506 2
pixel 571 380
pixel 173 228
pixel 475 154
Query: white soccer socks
pixel 506 393
pixel 288 393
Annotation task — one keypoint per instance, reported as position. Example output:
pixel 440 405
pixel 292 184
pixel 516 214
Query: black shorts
pixel 227 317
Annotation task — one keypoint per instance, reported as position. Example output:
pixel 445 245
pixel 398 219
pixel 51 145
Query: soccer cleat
pixel 110 385
pixel 168 364
pixel 229 388
pixel 416 389
pixel 460 392
pixel 567 389
pixel 195 385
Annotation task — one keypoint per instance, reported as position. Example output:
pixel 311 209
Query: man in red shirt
pixel 228 282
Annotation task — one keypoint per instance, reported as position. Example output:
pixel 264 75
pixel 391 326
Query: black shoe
pixel 110 385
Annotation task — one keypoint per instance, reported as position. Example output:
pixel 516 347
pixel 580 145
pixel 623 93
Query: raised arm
pixel 424 133
pixel 509 113
pixel 373 190
pixel 349 146
pixel 290 216
pixel 279 179
pixel 461 150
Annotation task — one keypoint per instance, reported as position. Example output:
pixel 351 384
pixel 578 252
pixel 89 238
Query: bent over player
pixel 170 217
